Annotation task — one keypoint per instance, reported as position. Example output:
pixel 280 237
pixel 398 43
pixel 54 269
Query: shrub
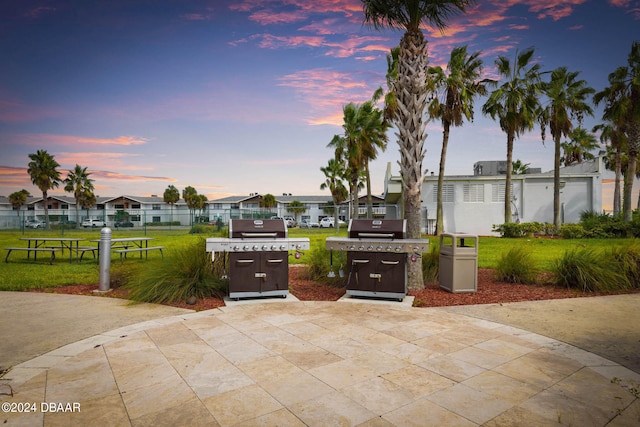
pixel 603 225
pixel 187 272
pixel 319 266
pixel 431 262
pixel 627 257
pixel 572 231
pixel 516 266
pixel 508 229
pixel 590 271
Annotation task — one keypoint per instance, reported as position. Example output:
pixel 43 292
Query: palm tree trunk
pixel 412 102
pixel 46 210
pixel 369 198
pixel 443 157
pixel 354 196
pixel 507 185
pixel 616 187
pixel 556 182
pixel 633 144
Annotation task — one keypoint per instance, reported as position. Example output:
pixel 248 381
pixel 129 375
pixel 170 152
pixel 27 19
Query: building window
pixel 119 207
pixel 217 206
pixel 135 206
pixel 447 193
pixel 156 219
pixel 64 207
pixel 134 218
pixel 473 193
pixel 156 207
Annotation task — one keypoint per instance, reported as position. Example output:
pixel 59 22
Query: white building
pixel 475 203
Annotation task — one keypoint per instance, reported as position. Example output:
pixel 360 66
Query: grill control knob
pixel 370 248
pixel 283 247
pixel 235 248
pixel 398 248
pixel 361 248
pixel 256 247
pixel 389 248
pixel 274 247
pixel 352 247
pixel 265 247
pixel 379 248
pixel 245 247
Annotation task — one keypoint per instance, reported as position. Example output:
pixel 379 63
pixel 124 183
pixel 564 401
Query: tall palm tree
pixel 622 106
pixel 579 147
pixel 78 183
pixel 459 85
pixel 520 168
pixel 567 98
pixel 44 174
pixel 411 93
pixel 268 201
pixel 515 105
pixel 171 196
pixel 334 174
pixel 364 133
pixel 615 141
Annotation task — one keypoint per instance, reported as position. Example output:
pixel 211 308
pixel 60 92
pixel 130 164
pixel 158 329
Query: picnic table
pixel 44 244
pixel 125 245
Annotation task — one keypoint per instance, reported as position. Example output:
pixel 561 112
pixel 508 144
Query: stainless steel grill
pixel 377 256
pixel 258 256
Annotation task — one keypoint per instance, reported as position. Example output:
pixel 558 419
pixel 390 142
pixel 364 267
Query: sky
pixel 240 97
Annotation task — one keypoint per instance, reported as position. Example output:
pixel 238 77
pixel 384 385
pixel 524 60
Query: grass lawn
pixel 21 274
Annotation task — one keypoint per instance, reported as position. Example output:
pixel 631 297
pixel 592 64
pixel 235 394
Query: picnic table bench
pixel 123 252
pixel 36 250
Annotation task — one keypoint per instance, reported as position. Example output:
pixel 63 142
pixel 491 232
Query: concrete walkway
pixel 326 363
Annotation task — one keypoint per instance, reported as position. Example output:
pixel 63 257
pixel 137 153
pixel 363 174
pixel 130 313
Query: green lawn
pixel 20 273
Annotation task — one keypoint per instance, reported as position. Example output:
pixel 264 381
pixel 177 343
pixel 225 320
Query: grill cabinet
pixel 377 257
pixel 258 257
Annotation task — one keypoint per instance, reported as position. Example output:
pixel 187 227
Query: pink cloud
pixel 554 9
pixel 65 140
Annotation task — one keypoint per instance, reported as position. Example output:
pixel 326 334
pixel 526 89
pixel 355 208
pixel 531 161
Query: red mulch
pixel 489 292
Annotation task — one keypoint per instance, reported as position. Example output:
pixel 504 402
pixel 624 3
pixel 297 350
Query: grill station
pixel 258 256
pixel 377 255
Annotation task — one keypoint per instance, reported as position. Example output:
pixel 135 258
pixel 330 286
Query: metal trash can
pixel 458 271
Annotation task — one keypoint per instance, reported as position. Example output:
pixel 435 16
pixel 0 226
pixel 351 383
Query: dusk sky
pixel 237 97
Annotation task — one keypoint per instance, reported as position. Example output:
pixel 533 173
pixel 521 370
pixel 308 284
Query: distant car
pixel 327 222
pixel 289 221
pixel 34 223
pixel 123 224
pixel 307 223
pixel 93 223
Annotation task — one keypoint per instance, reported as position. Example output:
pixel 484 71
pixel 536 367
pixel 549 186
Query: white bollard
pixel 105 259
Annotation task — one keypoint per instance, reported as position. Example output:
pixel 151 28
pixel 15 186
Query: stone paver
pixel 323 363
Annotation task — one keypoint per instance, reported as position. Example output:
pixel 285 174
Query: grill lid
pixel 257 228
pixel 377 229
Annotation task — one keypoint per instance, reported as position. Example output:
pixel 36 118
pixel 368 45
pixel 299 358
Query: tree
pixel 579 147
pixel 268 201
pixel 296 207
pixel 520 168
pixel 566 99
pixel 334 174
pixel 364 133
pixel 616 139
pixel 622 107
pixel 171 196
pixel 18 199
pixel 411 94
pixel 44 174
pixel 515 105
pixel 194 201
pixel 457 87
pixel 78 183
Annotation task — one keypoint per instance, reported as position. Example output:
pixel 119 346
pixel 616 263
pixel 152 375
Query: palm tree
pixel 296 207
pixel 411 93
pixel 613 156
pixel 18 199
pixel 78 183
pixel 334 174
pixel 520 168
pixel 566 99
pixel 364 133
pixel 44 174
pixel 579 147
pixel 460 84
pixel 622 106
pixel 515 105
pixel 268 201
pixel 171 196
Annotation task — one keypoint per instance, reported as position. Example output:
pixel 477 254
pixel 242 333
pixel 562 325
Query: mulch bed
pixel 489 292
